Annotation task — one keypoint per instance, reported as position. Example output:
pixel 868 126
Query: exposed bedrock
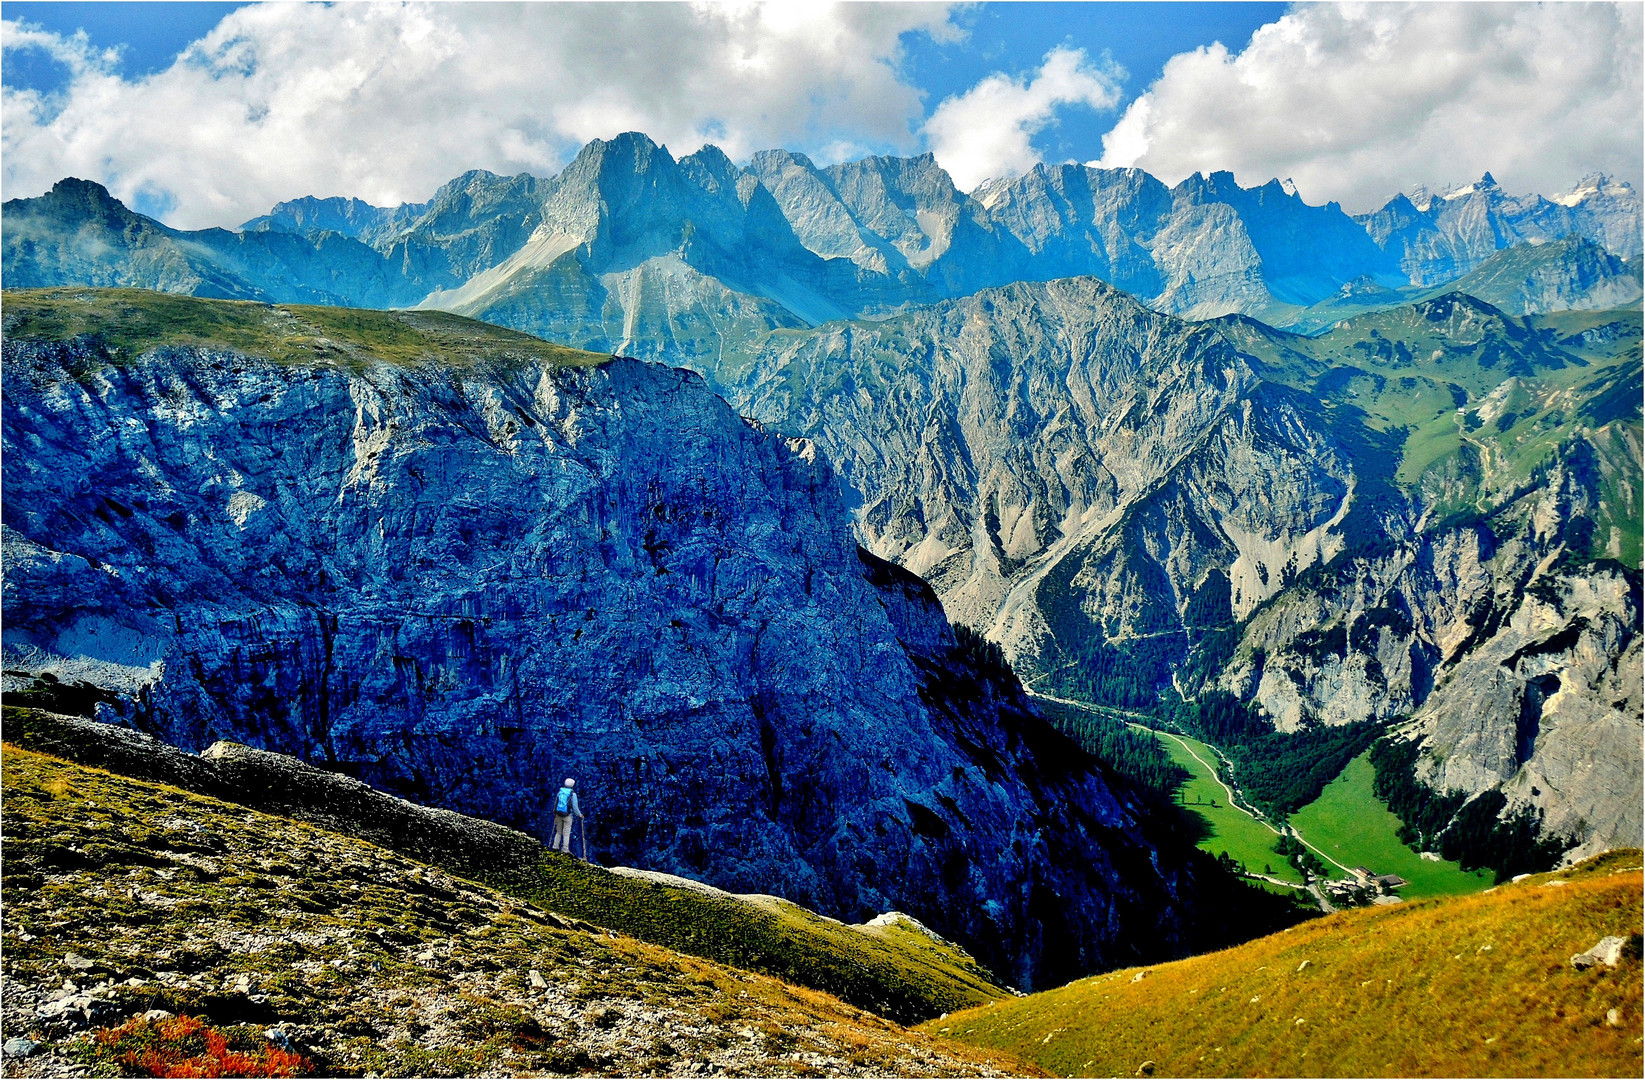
pixel 462 584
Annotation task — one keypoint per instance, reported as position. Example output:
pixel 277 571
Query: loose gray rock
pixel 75 1011
pixel 1608 951
pixel 19 1047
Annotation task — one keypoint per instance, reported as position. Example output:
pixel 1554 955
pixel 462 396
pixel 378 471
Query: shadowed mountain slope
pixel 460 581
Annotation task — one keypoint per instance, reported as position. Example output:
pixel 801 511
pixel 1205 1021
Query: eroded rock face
pixel 1565 666
pixel 1126 503
pixel 1062 463
pixel 464 584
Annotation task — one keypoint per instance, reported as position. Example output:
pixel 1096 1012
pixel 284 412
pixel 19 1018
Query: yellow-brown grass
pixel 133 875
pixel 1461 986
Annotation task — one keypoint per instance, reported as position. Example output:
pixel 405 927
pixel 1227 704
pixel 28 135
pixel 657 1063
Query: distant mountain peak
pixel 90 192
pixel 1595 185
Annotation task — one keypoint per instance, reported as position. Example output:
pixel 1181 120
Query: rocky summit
pixel 465 573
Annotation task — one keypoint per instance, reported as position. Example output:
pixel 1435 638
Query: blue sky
pixel 149 35
pixel 208 113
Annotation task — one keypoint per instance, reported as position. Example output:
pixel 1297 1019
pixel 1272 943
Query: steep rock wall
pixel 463 583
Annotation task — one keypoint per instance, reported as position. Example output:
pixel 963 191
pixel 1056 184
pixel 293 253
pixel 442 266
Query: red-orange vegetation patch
pixel 183 1046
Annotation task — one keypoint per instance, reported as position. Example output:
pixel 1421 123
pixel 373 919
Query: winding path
pixel 1234 800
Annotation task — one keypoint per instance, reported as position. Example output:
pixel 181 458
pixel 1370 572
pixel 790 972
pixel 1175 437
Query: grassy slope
pixel 894 970
pixel 1355 827
pixel 371 961
pixel 1245 839
pixel 1457 986
pixel 1399 368
pixel 130 322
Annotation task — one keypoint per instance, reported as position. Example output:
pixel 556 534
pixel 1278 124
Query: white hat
pixel 570 782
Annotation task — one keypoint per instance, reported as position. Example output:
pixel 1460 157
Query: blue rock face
pixel 463 584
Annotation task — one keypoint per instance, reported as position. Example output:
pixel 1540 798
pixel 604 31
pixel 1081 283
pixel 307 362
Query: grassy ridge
pixel 895 970
pixel 372 963
pixel 126 323
pixel 1462 986
pixel 1487 398
pixel 1353 826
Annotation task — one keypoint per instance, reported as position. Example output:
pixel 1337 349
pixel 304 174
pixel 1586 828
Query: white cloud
pixel 386 102
pixel 1358 101
pixel 988 130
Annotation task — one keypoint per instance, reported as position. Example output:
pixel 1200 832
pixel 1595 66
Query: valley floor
pixel 1347 826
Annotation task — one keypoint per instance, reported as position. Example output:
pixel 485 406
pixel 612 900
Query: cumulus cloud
pixel 1359 101
pixel 988 130
pixel 386 102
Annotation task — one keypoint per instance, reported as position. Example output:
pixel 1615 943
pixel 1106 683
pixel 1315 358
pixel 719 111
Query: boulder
pixel 1608 951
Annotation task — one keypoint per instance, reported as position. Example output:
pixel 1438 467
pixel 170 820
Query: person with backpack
pixel 565 808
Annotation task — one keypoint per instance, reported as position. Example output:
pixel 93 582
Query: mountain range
pixel 783 243
pixel 1203 451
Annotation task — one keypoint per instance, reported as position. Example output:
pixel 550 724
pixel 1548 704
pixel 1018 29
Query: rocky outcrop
pixel 1565 666
pixel 462 584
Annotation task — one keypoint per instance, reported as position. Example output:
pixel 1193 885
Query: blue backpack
pixel 562 802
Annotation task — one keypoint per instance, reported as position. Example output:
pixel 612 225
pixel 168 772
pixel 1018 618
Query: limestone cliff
pixel 1131 504
pixel 463 579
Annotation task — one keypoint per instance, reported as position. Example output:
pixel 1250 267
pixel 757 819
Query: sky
pixel 206 114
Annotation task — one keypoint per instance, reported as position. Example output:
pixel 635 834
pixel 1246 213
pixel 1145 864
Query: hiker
pixel 565 806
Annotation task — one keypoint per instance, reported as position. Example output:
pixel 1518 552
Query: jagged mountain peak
pixel 633 149
pixel 861 238
pixel 310 215
pixel 777 158
pixel 1596 186
pixel 81 200
pixel 711 168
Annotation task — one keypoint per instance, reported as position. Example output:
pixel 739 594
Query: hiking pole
pixel 582 834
